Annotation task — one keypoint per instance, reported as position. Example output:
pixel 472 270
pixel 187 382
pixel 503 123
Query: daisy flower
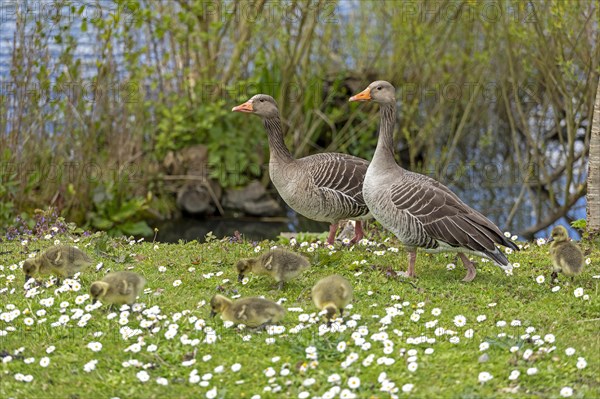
pixel 484 377
pixel 353 382
pixel 566 392
pixel 95 346
pixel 569 351
pixel 540 279
pixel 460 320
pixel 90 366
pixel 578 292
pixel 143 375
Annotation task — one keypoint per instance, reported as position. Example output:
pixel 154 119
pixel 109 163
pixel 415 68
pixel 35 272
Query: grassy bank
pixel 429 338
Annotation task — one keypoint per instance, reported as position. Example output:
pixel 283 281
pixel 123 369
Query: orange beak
pixel 364 95
pixel 245 107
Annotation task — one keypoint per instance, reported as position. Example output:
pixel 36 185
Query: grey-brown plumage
pixel 280 264
pixel 566 255
pixel 118 288
pixel 61 260
pixel 253 312
pixel 332 294
pixel 326 187
pixel 420 211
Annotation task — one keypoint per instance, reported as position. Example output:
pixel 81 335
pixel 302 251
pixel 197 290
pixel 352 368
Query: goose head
pixel 31 268
pixel 379 91
pixel 559 234
pixel 261 105
pixel 218 304
pixel 98 289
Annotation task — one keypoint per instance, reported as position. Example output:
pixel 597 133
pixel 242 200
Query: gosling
pixel 332 294
pixel 63 261
pixel 118 288
pixel 253 312
pixel 280 264
pixel 566 255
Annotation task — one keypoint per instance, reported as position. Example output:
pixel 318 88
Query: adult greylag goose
pixel 420 211
pixel 326 187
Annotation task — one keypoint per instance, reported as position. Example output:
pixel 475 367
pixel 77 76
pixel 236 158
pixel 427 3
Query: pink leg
pixel 332 230
pixel 358 232
pixel 412 257
pixel 471 271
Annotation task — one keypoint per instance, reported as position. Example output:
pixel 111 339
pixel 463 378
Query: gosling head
pixel 559 234
pixel 98 290
pixel 330 311
pixel 218 304
pixel 244 266
pixel 31 267
pixel 261 105
pixel 379 91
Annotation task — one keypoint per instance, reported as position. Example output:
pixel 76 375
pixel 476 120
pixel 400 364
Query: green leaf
pixel 101 223
pixel 136 229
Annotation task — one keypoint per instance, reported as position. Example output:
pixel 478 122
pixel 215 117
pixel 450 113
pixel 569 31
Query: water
pixel 254 229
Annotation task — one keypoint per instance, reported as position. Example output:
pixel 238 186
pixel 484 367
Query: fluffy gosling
pixel 566 255
pixel 253 312
pixel 280 264
pixel 332 294
pixel 61 260
pixel 118 288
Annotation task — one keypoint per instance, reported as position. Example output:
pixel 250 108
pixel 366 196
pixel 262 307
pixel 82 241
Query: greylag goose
pixel 566 255
pixel 420 211
pixel 253 312
pixel 62 260
pixel 280 264
pixel 325 187
pixel 118 288
pixel 332 294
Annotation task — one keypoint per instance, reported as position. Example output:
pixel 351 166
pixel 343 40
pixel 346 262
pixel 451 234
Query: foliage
pixel 481 97
pixel 117 215
pixel 579 224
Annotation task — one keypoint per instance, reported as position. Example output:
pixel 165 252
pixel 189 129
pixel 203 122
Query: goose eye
pixel 379 88
pixel 262 100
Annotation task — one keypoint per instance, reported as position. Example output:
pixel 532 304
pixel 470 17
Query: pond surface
pixel 255 229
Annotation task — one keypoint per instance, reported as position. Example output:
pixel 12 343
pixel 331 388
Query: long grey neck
pixel 384 153
pixel 279 152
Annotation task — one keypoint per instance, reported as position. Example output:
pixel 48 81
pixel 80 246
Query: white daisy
pixel 143 375
pixel 460 320
pixel 566 392
pixel 569 351
pixel 95 346
pixel 532 371
pixel 484 376
pixel 353 382
pixel 540 279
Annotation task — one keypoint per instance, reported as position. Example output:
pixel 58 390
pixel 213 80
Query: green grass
pixel 452 370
